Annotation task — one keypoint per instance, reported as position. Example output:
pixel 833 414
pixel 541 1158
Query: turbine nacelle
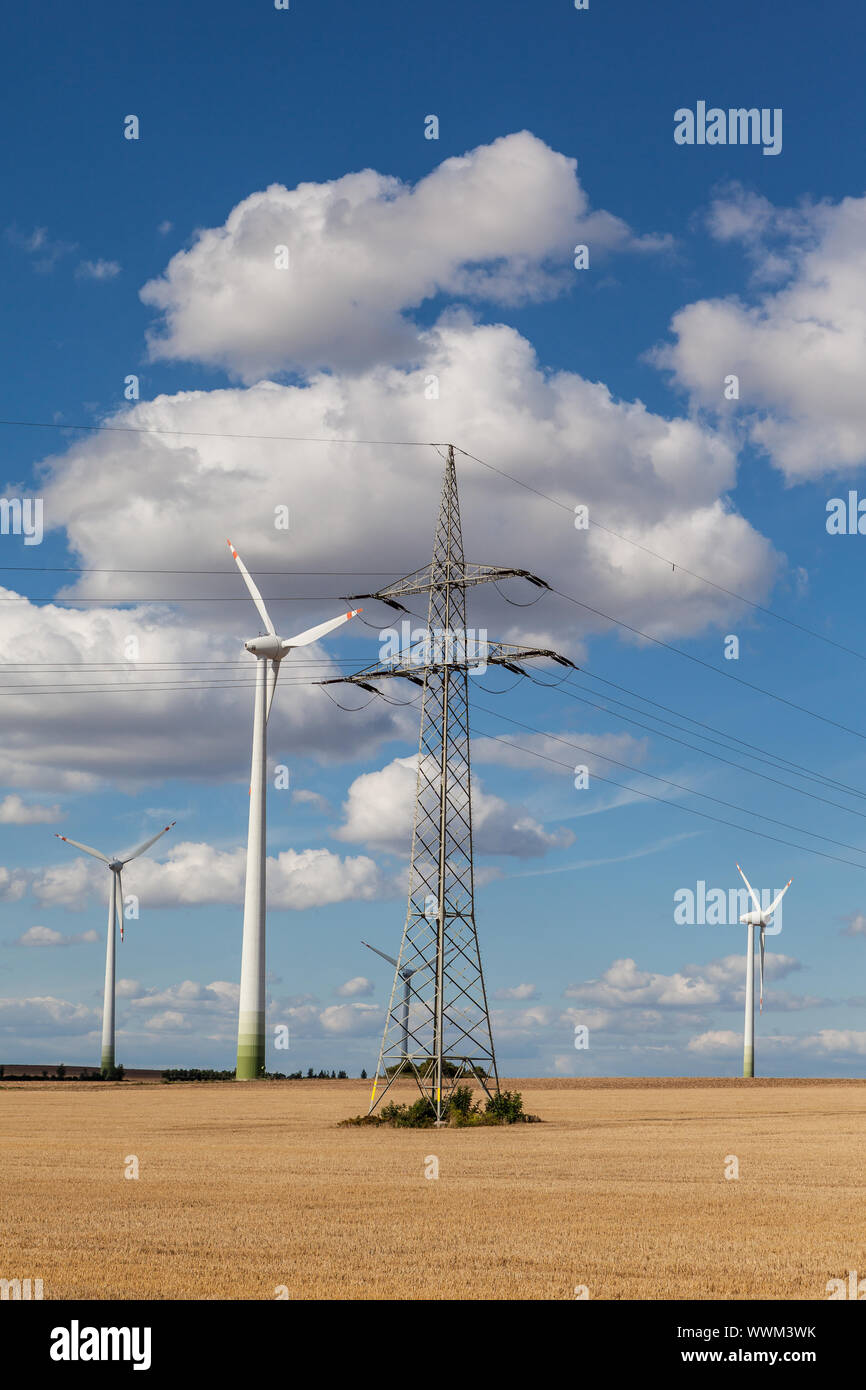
pixel 272 647
pixel 756 919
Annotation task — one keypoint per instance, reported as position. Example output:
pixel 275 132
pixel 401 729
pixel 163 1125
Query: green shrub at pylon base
pixel 459 1112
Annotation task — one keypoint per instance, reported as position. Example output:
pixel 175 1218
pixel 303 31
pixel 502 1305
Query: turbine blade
pixel 87 849
pixel 380 953
pixel 118 902
pixel 313 634
pixel 761 1008
pixel 134 853
pixel 775 903
pixel 754 895
pixel 254 593
pixel 272 685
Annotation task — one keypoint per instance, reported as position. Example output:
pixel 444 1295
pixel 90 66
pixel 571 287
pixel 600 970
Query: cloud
pixel 127 501
pixel 45 1016
pixel 497 224
pixel 312 1021
pixel 718 982
pixel 838 1041
pixel 773 239
pixel 379 807
pixel 304 797
pixel 169 1021
pixel 623 984
pixel 348 1018
pixel 13 884
pixel 97 270
pixel 358 985
pixel 800 350
pixel 834 1042
pixel 44 250
pixel 79 730
pixel 128 989
pixel 197 874
pixel 209 1010
pixel 597 1018
pixel 47 936
pixel 517 1025
pixel 856 924
pixel 523 750
pixel 517 992
pixel 15 811
pixel 717 1042
pixel 664 483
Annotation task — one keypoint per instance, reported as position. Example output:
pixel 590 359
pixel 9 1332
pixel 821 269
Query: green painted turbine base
pixel 251 1050
pixel 251 1060
pixel 107 1063
pixel 748 1061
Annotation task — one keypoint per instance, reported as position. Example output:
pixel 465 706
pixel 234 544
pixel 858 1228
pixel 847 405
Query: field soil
pixel 245 1190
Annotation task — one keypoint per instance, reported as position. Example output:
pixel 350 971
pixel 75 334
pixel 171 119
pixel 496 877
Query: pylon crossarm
pixel 461 576
pixel 496 654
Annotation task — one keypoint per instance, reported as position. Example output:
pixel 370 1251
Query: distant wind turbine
pixel 406 975
pixel 759 918
pixel 115 912
pixel 271 648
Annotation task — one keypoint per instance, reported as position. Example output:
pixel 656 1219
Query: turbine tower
pixel 115 913
pixel 270 648
pixel 759 918
pixel 446 1033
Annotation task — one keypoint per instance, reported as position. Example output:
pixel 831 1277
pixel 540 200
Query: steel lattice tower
pixel 438 1022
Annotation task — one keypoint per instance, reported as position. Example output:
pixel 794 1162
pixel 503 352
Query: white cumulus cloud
pixel 498 223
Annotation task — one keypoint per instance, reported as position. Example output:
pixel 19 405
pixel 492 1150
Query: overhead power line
pixel 689 810
pixel 676 565
pixel 763 776
pixel 690 791
pixel 95 569
pixel 774 760
pixel 726 675
pixel 213 434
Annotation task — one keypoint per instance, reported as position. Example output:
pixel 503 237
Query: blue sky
pixel 704 261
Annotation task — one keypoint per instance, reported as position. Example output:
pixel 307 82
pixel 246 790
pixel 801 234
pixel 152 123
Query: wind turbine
pixel 759 918
pixel 115 912
pixel 270 648
pixel 406 975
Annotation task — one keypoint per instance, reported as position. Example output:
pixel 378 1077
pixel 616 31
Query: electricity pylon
pixel 447 1035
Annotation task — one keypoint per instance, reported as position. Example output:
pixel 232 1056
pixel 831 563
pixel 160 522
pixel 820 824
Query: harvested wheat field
pixel 247 1187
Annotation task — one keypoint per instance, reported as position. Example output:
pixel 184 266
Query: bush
pixel 506 1108
pixel 420 1115
pixel 460 1112
pixel 461 1101
pixel 196 1074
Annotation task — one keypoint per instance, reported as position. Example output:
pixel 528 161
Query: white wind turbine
pixel 115 914
pixel 405 975
pixel 271 648
pixel 759 918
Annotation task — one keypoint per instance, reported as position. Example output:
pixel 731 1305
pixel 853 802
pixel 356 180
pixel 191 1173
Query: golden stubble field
pixel 246 1187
